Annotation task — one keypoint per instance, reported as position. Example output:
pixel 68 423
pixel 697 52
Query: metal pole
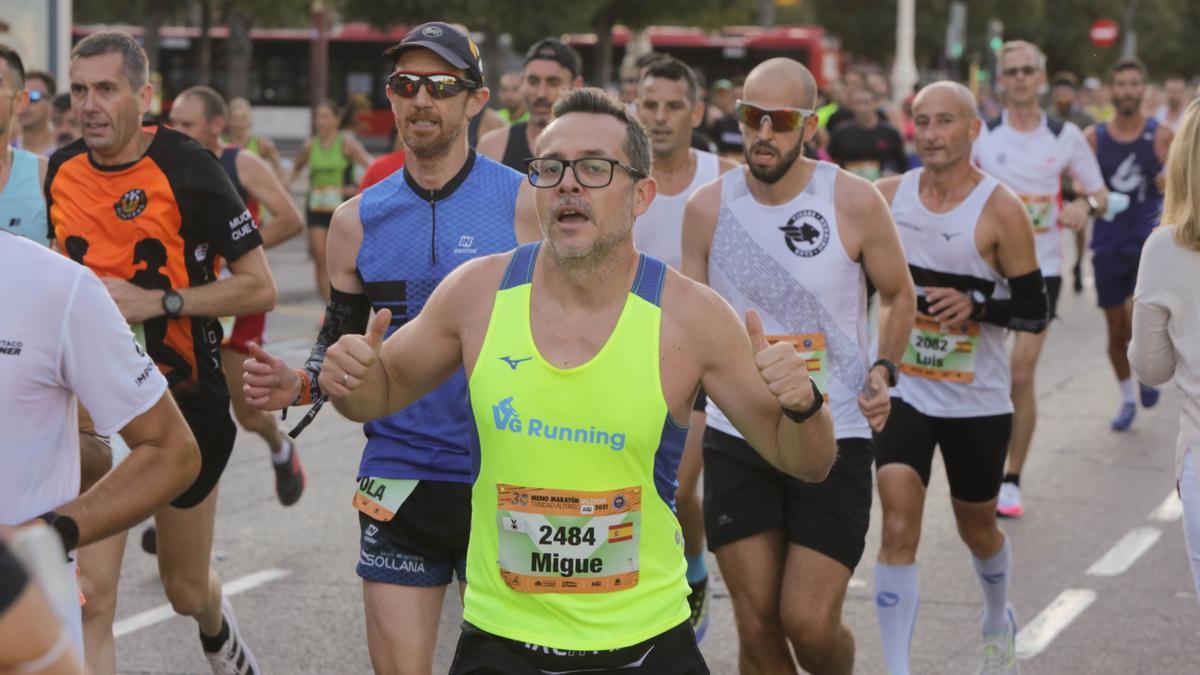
pixel 1129 43
pixel 904 70
pixel 319 58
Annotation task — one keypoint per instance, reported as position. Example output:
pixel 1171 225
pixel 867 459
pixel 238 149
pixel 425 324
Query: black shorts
pixel 318 219
pixel 744 495
pixel 1116 277
pixel 973 448
pixel 701 401
pixel 425 543
pixel 671 653
pixel 215 432
pixel 1053 288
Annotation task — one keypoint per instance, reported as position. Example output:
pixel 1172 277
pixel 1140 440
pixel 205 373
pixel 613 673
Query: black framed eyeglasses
pixel 1027 71
pixel 438 85
pixel 590 172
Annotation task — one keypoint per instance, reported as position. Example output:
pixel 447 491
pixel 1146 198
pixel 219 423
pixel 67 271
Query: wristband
pixel 305 395
pixel 802 416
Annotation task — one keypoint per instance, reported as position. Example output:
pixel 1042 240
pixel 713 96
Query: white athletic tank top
pixel 963 372
pixel 788 263
pixel 658 231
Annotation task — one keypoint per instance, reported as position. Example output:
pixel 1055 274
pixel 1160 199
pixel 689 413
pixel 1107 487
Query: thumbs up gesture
pixel 781 367
pixel 349 360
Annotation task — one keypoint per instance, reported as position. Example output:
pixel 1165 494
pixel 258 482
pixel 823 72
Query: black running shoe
pixel 150 540
pixel 289 477
pixel 698 602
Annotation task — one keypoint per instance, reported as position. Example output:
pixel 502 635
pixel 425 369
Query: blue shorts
pixel 1116 277
pixel 425 544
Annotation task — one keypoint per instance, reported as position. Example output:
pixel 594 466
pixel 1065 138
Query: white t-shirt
pixel 61 337
pixel 1032 164
pixel 659 231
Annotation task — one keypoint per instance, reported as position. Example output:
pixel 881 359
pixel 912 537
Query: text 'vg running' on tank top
pixel 788 262
pixel 961 370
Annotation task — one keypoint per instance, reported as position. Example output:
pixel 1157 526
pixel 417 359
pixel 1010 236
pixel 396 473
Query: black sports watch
pixel 893 374
pixel 172 304
pixel 818 402
pixel 65 526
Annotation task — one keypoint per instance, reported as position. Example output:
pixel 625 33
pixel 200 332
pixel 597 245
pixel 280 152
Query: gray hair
pixel 599 102
pixel 133 57
pixel 1039 57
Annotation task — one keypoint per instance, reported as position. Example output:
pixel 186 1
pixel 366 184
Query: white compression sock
pixel 1127 390
pixel 285 451
pixel 993 577
pixel 897 596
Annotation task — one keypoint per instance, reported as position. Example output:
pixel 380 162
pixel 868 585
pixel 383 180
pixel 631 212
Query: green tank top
pixel 328 171
pixel 252 145
pixel 574 541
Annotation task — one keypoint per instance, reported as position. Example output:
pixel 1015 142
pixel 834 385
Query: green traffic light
pixel 956 51
pixel 996 44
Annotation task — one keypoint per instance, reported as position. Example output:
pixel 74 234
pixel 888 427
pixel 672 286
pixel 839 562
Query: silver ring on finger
pixel 345 378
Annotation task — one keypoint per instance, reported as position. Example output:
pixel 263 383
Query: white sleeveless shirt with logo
pixel 960 370
pixel 788 262
pixel 659 230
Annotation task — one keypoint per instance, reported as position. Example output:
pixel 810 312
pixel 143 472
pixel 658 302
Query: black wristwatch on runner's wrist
pixel 893 374
pixel 65 526
pixel 818 402
pixel 172 304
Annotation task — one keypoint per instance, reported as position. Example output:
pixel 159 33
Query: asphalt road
pixel 1107 582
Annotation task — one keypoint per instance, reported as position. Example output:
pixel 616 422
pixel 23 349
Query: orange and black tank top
pixel 160 222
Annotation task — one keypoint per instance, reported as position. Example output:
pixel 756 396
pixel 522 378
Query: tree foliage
pixel 867 29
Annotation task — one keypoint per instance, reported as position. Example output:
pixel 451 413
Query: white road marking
pixel 1039 633
pixel 163 612
pixel 1126 552
pixel 1170 510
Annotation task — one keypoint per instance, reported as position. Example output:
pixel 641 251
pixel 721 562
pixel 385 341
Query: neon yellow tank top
pixel 574 540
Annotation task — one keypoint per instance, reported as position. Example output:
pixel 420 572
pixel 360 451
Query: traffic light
pixel 995 34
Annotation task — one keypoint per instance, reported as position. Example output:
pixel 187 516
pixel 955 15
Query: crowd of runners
pixel 590 336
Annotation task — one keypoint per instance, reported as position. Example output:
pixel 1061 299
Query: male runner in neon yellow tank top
pixel 581 354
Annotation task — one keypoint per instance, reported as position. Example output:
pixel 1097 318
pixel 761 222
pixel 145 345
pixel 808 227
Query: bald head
pixel 779 83
pixel 946 94
pixel 945 124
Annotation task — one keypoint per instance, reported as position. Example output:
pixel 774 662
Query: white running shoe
pixel 1009 504
pixel 234 657
pixel 999 655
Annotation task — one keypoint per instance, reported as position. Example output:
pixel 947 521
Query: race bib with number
pixel 946 356
pixel 1041 211
pixel 381 498
pixel 325 198
pixel 812 347
pixel 568 541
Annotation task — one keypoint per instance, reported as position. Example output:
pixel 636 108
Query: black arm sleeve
pixel 346 314
pixel 1027 310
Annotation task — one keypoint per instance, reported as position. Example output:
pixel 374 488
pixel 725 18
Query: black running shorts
pixel 671 653
pixel 425 544
pixel 744 495
pixel 215 432
pixel 973 448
